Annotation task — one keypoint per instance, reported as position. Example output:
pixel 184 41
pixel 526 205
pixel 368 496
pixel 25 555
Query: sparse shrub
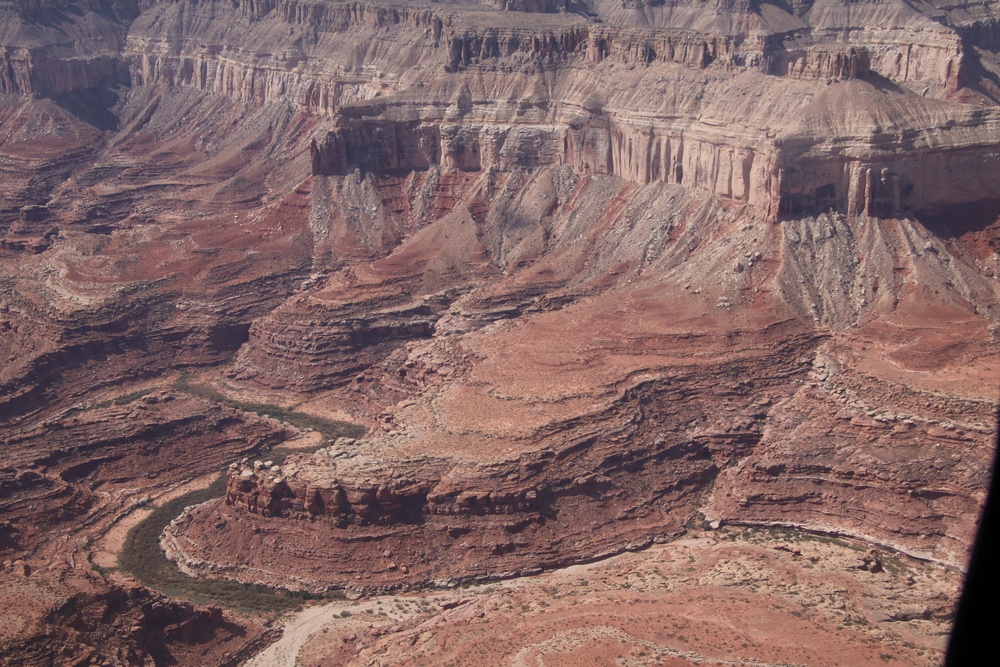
pixel 128 398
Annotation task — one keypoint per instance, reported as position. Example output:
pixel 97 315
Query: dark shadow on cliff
pixel 977 76
pixel 956 220
pixel 53 17
pixel 95 106
pixel 7 530
pixel 883 84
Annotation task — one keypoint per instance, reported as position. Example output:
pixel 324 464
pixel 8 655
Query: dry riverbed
pixel 729 597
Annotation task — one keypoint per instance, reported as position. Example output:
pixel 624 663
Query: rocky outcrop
pixel 314 489
pixel 117 625
pixel 384 125
pixel 822 62
pixel 51 47
pixel 300 352
pixel 882 460
pixel 897 185
pixel 580 488
pixel 31 73
pixel 309 75
pixel 312 93
pixel 595 146
pixel 535 6
pixel 780 178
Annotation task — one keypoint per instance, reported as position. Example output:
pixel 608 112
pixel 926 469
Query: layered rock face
pixel 67 480
pixel 136 625
pixel 633 465
pixel 52 47
pixel 799 431
pixel 783 179
pixel 590 274
pixel 875 176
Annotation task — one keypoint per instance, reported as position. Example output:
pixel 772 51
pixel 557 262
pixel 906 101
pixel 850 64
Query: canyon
pixel 619 287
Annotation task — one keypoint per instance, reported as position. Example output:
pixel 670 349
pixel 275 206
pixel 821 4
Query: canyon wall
pixel 336 64
pixel 51 47
pixel 930 56
pixel 23 72
pixel 596 146
pixel 901 184
pixel 525 248
pixel 783 183
pixel 313 78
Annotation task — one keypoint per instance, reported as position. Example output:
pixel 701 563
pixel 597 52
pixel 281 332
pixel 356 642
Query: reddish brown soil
pixel 729 597
pixel 582 294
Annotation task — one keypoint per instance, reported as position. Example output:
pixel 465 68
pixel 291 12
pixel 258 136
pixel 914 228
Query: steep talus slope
pixel 588 272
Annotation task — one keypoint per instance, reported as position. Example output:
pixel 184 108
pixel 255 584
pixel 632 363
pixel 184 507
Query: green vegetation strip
pixel 141 556
pixel 330 429
pixel 893 564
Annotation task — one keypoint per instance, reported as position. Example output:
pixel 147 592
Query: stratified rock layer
pixel 589 273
